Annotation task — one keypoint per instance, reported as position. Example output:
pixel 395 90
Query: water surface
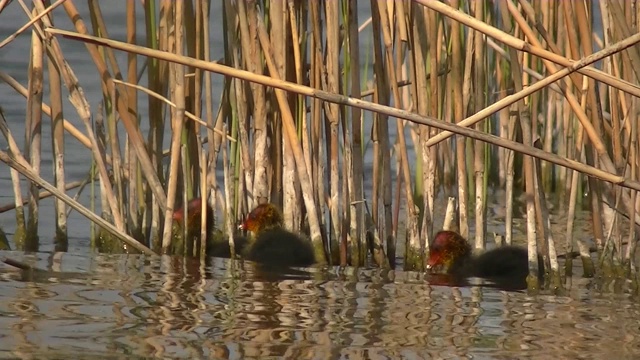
pixel 118 306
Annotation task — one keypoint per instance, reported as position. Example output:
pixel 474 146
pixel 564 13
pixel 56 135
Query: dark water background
pixel 110 306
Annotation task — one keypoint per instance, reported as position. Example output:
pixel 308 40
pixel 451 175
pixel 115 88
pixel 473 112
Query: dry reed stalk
pixel 128 122
pixel 33 135
pixel 548 247
pixel 182 248
pixel 633 173
pixel 177 94
pixel 449 217
pixel 57 137
pixel 214 138
pixel 502 77
pixel 457 72
pixel 583 117
pixel 425 97
pixel 631 169
pixel 289 127
pixel 527 136
pixel 46 109
pixel 250 49
pixel 227 203
pixel 134 185
pixel 587 264
pixel 510 173
pixel 20 231
pixel 290 192
pixel 42 12
pixel 506 130
pixel 190 132
pixel 99 27
pixel 381 128
pixel 519 45
pixel 412 254
pixel 356 189
pixel 43 195
pixel 16 161
pixel 332 71
pixel 318 165
pixel 438 97
pixel 401 114
pixel 480 84
pixel 205 202
pixel 298 20
pixel 599 153
pixel 523 46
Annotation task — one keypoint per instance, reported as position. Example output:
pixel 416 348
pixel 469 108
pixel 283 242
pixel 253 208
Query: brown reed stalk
pixel 633 173
pixel 520 45
pixel 290 193
pixel 412 254
pixel 17 161
pixel 82 107
pixel 381 129
pixel 595 151
pixel 289 129
pixel 590 131
pixel 480 84
pixel 426 96
pixel 227 192
pixel 505 130
pixel 57 138
pixel 177 95
pixel 318 168
pixel 332 71
pixel 156 72
pixel 134 188
pixel 456 84
pixel 33 135
pixel 532 279
pixel 585 256
pixel 510 175
pixel 435 109
pixel 99 27
pixel 356 173
pixel 214 138
pixel 250 47
pixel 125 116
pixel 190 133
pixel 547 245
pixel 46 109
pixel 401 114
pixel 112 141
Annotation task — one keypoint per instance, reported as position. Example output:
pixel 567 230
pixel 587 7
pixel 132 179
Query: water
pixel 105 306
pixel 112 306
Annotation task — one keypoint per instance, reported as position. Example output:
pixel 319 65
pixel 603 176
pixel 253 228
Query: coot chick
pixel 217 242
pixel 507 266
pixel 272 245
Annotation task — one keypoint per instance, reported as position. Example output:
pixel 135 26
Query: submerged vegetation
pixel 453 96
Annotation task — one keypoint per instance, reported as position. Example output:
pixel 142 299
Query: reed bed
pixel 457 97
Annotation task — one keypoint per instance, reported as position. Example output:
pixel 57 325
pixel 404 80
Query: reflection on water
pixel 121 306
